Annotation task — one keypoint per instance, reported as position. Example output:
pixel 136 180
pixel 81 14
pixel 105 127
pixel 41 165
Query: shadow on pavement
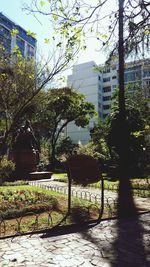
pixel 121 244
pixel 125 246
pixel 68 229
pixel 128 246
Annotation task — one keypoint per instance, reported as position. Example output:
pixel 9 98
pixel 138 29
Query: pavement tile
pixel 108 244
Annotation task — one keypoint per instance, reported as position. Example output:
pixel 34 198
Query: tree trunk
pixel 126 205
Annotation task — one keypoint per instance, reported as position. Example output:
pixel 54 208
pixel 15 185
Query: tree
pixel 65 147
pixel 17 86
pixel 76 20
pixel 56 110
pixel 99 138
pixel 22 79
pixel 133 18
pixel 137 121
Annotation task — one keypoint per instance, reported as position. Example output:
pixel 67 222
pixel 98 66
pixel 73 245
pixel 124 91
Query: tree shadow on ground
pixel 128 247
pixel 79 223
pixel 122 243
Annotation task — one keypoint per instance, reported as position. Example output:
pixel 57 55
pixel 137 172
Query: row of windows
pixel 146 73
pixel 10 25
pixel 134 68
pixel 106 107
pixel 5 21
pixel 4 31
pixel 107 79
pixel 107 69
pixel 6 43
pixel 147 82
pixel 106 98
pixel 132 76
pixel 107 89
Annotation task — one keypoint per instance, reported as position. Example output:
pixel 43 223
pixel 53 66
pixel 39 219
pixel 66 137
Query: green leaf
pixel 32 34
pixel 42 3
pixel 15 49
pixel 46 41
pixel 55 17
pixel 14 32
pixel 147 32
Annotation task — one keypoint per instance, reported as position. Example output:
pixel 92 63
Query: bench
pixel 40 175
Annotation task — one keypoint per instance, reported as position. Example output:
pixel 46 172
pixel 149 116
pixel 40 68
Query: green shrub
pixel 6 169
pixel 90 150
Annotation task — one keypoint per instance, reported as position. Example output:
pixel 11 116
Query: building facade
pixel 86 80
pixel 98 85
pixel 25 43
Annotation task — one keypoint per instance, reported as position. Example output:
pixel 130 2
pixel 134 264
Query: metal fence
pixel 94 199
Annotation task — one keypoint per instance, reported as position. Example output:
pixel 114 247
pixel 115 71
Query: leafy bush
pixel 6 168
pixel 65 148
pixel 90 150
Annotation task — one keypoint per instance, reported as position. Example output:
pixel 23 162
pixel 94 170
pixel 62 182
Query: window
pixel 106 98
pixel 99 78
pixel 114 77
pixel 21 45
pixel 30 51
pixel 107 79
pixel 106 107
pixel 107 89
pixel 106 70
pixel 146 73
pixel 5 38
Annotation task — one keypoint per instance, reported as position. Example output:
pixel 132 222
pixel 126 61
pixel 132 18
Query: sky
pixel 13 9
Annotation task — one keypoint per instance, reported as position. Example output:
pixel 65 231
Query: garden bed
pixel 27 209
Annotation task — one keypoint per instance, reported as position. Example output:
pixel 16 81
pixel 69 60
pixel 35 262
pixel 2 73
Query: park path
pixel 141 203
pixel 112 243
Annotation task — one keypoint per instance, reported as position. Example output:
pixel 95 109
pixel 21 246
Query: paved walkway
pixel 113 243
pixel 141 203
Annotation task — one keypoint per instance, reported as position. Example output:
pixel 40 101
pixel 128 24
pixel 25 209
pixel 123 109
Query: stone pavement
pixel 112 243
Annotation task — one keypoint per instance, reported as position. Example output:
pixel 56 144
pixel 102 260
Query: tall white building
pixel 86 80
pixel 98 84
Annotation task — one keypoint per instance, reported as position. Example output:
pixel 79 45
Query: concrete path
pixel 124 243
pixel 141 203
